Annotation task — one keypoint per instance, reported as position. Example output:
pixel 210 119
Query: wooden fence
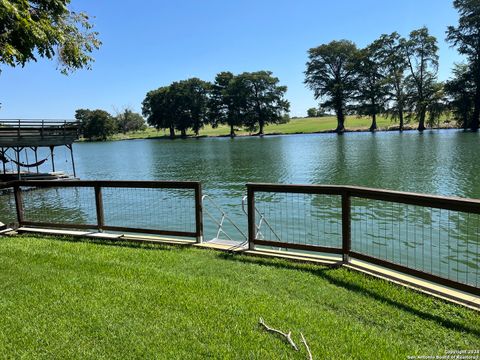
pixel 435 238
pixel 96 187
pixel 351 247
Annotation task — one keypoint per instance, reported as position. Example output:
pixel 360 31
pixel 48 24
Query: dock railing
pixel 171 208
pixel 430 237
pixel 38 127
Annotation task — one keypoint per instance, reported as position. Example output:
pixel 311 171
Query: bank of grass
pixel 294 126
pixel 65 299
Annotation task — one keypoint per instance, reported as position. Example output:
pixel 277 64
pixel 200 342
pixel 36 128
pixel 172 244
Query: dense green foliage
pixel 128 121
pixel 424 92
pixel 312 112
pixel 372 86
pixel 264 99
pixel 45 28
pixel 374 80
pixel 394 64
pixel 466 37
pixel 100 125
pixel 331 74
pixel 228 101
pixel 251 100
pixel 181 105
pixel 461 92
pixel 69 300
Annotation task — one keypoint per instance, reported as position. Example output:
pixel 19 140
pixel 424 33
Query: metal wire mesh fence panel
pixel 150 208
pixel 436 241
pixel 8 214
pixel 59 205
pixel 299 218
pixel 155 207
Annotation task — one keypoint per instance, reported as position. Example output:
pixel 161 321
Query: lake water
pixel 435 162
pixel 443 162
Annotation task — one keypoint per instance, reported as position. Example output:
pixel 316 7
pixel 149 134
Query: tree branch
pixel 286 336
pixel 304 341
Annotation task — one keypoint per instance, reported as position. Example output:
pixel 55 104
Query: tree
pixel 372 85
pixel 265 99
pixel 331 75
pixel 228 101
pixel 45 28
pixel 159 107
pixel 129 121
pixel 181 105
pixel 391 48
pixel 461 91
pixel 193 97
pixel 466 37
pixel 312 112
pixel 421 51
pixel 95 124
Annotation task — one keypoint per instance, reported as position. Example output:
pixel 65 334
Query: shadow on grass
pixel 326 273
pixel 143 245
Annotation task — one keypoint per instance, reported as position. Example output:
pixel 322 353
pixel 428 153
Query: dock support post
pixel 73 160
pixel 36 156
pixel 199 213
pixel 251 217
pixel 17 157
pixel 346 226
pixel 3 162
pixel 53 157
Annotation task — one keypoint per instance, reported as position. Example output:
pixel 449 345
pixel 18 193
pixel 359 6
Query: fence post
pixel 99 207
pixel 18 204
pixel 198 213
pixel 251 217
pixel 346 226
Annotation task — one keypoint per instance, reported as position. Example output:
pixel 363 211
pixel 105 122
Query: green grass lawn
pixel 295 126
pixel 64 299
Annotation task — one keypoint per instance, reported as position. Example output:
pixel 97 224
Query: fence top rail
pixel 410 198
pixel 104 183
pixel 38 121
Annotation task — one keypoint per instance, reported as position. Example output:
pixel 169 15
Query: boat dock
pixel 26 135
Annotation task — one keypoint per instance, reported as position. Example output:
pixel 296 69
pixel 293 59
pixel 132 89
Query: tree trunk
pixel 340 121
pixel 421 122
pixel 261 124
pixel 184 133
pixel 373 127
pixel 476 110
pixel 400 118
pixel 232 131
pixel 172 132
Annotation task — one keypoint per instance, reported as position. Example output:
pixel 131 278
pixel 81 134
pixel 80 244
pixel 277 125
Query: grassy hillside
pixel 70 300
pixel 295 126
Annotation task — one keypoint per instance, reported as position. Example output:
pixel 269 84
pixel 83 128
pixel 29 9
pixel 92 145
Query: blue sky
pixel 150 43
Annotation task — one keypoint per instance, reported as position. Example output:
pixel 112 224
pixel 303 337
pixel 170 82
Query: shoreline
pixel 354 130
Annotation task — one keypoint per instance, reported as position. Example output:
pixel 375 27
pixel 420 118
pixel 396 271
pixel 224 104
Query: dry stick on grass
pixel 306 346
pixel 286 336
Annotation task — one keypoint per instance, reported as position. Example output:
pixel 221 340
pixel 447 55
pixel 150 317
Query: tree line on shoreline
pixel 397 76
pixel 250 100
pixel 394 76
pixel 100 124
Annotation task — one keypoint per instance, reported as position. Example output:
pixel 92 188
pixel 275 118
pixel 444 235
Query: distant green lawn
pixel 67 300
pixel 296 125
